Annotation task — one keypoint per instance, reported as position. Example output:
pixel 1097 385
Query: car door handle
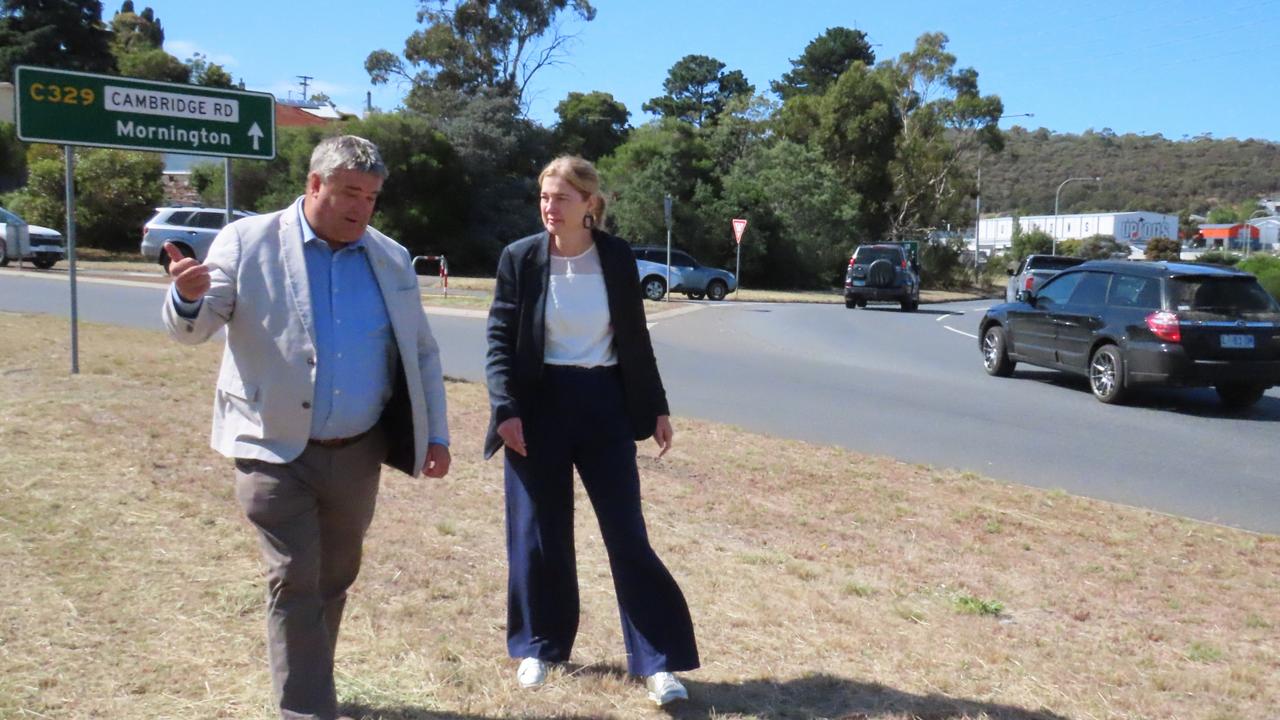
pixel 1066 323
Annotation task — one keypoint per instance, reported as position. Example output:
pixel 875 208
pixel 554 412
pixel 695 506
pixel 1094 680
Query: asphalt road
pixel 908 385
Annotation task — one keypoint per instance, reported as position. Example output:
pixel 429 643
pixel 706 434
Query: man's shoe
pixel 532 673
pixel 665 688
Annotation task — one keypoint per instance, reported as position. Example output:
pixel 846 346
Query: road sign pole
pixel 666 213
pixel 226 186
pixel 71 257
pixel 737 272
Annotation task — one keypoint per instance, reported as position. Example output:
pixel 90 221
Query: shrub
pixel 1220 257
pixel 1267 268
pixel 941 266
pixel 1069 248
pixel 1163 248
pixel 1031 242
pixel 1101 247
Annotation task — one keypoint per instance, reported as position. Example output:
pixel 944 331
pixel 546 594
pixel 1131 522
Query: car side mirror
pixel 1025 296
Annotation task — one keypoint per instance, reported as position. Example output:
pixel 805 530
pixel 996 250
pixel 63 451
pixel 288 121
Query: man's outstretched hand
pixel 190 278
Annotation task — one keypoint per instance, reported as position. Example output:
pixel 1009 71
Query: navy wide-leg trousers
pixel 580 421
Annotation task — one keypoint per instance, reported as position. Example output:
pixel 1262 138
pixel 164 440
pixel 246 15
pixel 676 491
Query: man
pixel 330 369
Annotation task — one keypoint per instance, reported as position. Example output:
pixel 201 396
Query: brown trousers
pixel 311 515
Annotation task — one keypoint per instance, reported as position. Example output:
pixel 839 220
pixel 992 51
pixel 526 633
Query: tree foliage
pixel 13 158
pixel 208 74
pixel 469 45
pixel 697 90
pixel 591 125
pixel 823 61
pixel 68 34
pixel 120 190
pixel 944 120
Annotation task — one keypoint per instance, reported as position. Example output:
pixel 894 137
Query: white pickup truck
pixel 1034 271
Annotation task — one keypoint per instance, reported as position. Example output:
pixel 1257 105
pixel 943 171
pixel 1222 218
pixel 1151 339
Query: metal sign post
pixel 70 158
pixel 666 213
pixel 739 227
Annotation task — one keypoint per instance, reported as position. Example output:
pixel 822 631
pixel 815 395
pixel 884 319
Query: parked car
pixel 20 240
pixel 191 229
pixel 881 272
pixel 1124 324
pixel 688 275
pixel 1034 271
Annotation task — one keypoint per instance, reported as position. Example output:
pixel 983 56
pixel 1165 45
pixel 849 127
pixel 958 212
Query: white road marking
pixel 961 332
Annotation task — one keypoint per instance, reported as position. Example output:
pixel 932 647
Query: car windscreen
pixel 9 218
pixel 868 255
pixel 1051 262
pixel 1231 296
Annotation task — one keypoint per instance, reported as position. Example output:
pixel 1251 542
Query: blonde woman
pixel 573 383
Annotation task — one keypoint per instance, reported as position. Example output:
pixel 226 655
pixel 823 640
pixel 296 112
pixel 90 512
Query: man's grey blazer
pixel 260 293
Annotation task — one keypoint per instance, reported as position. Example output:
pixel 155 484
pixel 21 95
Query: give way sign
pixel 739 227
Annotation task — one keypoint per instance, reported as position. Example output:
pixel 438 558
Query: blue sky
pixel 1174 67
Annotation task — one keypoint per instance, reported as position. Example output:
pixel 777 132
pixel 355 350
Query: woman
pixel 573 383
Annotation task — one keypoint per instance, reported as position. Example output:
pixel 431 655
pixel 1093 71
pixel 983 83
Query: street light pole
pixel 1058 194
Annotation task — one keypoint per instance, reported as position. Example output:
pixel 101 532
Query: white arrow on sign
pixel 255 132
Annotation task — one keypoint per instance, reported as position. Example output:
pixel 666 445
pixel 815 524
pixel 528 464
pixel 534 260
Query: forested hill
pixel 1139 172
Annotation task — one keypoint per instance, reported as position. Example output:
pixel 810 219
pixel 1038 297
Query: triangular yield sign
pixel 739 227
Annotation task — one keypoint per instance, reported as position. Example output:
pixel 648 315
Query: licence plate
pixel 859 283
pixel 1240 342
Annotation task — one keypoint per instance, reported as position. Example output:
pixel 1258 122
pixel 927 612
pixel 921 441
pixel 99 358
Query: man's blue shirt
pixel 355 353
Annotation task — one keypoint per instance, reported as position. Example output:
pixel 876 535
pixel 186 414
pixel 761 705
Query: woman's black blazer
pixel 517 333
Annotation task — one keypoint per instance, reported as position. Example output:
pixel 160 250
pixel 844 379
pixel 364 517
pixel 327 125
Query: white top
pixel 579 328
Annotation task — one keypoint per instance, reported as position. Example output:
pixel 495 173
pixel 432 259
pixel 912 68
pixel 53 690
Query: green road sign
pixel 75 108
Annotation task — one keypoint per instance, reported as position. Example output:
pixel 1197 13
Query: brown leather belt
pixel 334 443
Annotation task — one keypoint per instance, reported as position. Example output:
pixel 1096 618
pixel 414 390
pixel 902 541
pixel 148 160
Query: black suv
pixel 881 272
pixel 1122 324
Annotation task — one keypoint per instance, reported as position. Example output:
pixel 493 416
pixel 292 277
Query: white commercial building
pixel 1126 227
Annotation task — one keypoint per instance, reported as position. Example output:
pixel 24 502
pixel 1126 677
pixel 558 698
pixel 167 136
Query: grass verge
pixel 823 583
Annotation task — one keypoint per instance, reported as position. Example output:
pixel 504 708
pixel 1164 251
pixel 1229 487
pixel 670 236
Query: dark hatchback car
pixel 1124 324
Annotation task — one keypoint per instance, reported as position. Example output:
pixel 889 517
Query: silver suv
pixel 191 229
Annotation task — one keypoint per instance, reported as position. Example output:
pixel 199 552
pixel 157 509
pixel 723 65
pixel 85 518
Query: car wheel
pixel 43 264
pixel 716 290
pixel 850 303
pixel 695 295
pixel 1239 395
pixel 862 303
pixel 1106 374
pixel 909 305
pixel 995 353
pixel 880 274
pixel 4 254
pixel 654 288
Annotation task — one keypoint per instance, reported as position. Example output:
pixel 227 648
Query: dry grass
pixel 823 583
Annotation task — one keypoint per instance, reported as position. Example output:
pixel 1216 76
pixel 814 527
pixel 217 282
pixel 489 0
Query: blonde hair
pixel 582 175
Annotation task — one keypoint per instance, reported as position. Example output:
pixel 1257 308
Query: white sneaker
pixel 665 688
pixel 532 673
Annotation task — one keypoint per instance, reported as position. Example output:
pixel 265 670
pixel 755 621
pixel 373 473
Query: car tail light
pixel 1165 326
pixel 1027 284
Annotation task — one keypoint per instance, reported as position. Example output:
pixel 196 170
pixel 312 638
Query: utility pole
pixel 306 79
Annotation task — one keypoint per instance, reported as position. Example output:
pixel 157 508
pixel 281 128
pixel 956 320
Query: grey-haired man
pixel 330 370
